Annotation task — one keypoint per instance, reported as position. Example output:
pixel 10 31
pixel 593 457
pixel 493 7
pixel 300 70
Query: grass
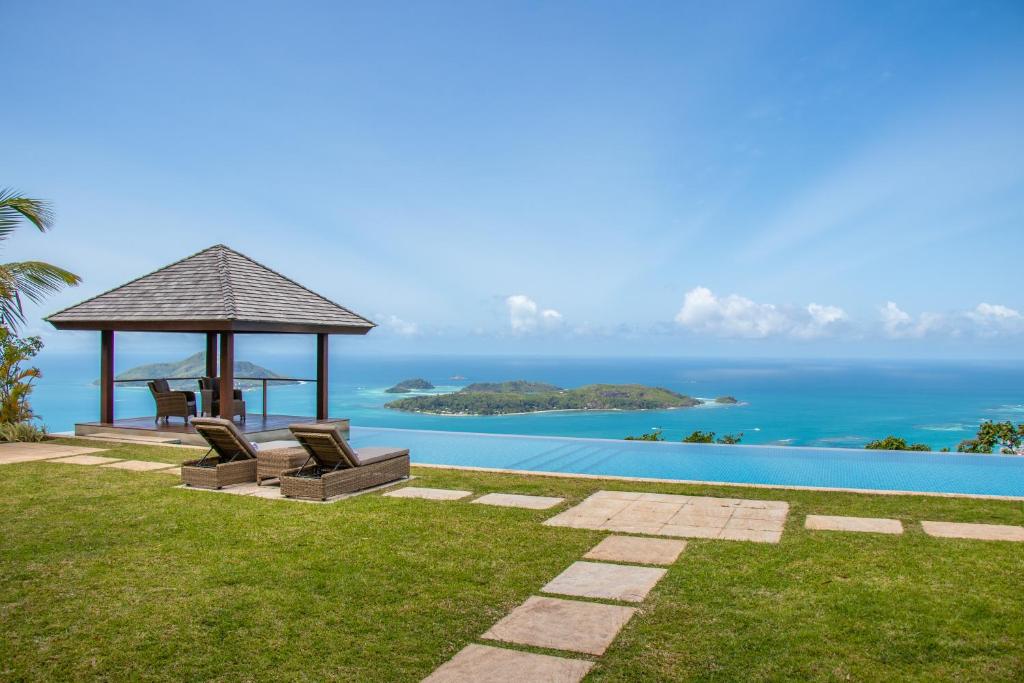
pixel 119 575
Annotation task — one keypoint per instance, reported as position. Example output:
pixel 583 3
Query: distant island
pixel 409 385
pixel 195 366
pixel 504 398
pixel 727 400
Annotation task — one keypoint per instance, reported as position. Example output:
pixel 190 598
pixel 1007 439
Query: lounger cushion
pixel 328 446
pixel 374 454
pixel 224 437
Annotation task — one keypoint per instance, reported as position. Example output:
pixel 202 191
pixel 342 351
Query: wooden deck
pixel 256 427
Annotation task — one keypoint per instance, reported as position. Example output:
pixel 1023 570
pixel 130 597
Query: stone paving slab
pixel 605 581
pixel 11 453
pixel 874 525
pixel 428 494
pixel 586 627
pixel 251 490
pixel 981 532
pixel 85 460
pixel 515 500
pixel 135 438
pixel 499 665
pixel 637 550
pixel 140 465
pixel 664 514
pixel 176 471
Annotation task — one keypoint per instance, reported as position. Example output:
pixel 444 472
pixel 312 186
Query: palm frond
pixel 15 207
pixel 32 279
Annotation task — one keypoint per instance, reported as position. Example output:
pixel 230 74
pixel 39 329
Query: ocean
pixel 833 403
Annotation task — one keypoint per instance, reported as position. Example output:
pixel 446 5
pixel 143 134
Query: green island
pixel 505 398
pixel 195 366
pixel 409 385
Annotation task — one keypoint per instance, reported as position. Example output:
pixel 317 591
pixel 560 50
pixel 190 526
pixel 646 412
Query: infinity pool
pixel 774 465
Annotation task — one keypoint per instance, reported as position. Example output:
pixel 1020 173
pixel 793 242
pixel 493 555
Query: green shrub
pixel 992 434
pixel 700 437
pixel 895 443
pixel 21 431
pixel 647 436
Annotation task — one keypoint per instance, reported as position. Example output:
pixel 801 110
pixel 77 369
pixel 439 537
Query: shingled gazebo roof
pixel 216 290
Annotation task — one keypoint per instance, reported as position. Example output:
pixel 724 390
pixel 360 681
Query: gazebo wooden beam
pixel 322 376
pixel 211 354
pixel 227 375
pixel 107 376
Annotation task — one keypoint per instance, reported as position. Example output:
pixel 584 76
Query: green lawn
pixel 119 575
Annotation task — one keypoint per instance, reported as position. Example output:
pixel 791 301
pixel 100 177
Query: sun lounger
pixel 236 460
pixel 334 467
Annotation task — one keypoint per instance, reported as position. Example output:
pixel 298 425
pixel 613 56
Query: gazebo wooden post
pixel 227 375
pixel 107 376
pixel 211 354
pixel 322 366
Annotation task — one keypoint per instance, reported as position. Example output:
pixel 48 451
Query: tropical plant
pixel 896 443
pixel 16 380
pixel 991 434
pixel 700 437
pixel 22 432
pixel 709 437
pixel 647 436
pixel 33 280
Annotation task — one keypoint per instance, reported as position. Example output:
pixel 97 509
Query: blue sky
pixel 826 179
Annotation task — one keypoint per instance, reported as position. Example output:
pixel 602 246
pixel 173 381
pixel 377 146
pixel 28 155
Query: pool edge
pixel 659 480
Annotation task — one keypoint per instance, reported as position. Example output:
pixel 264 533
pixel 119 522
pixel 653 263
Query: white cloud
pixel 896 322
pixel 738 316
pixel 984 320
pixel 525 316
pixel 985 311
pixel 393 323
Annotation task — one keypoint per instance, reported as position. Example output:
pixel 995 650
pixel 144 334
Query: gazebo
pixel 220 293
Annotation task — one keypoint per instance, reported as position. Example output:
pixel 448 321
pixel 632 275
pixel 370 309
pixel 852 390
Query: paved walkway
pixel 873 525
pixel 11 453
pixel 573 626
pixel 731 519
pixel 981 532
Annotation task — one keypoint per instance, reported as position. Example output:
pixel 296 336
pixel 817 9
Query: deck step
pixel 130 438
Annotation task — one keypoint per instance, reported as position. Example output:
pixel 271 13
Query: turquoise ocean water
pixel 792 402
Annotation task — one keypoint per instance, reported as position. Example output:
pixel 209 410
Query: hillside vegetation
pixel 529 397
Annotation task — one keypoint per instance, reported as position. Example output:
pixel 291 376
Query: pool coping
pixel 659 480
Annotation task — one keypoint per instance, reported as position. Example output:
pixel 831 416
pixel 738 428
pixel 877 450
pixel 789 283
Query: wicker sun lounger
pixel 334 467
pixel 236 461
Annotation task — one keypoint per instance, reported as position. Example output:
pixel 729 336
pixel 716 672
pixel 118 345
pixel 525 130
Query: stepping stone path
pixel 874 525
pixel 140 465
pixel 85 460
pixel 661 514
pixel 11 453
pixel 498 665
pixel 513 500
pixel 587 627
pixel 569 625
pixel 605 581
pixel 428 494
pixel 981 532
pixel 637 550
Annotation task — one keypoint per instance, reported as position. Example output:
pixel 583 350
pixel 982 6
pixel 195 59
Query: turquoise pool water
pixel 774 465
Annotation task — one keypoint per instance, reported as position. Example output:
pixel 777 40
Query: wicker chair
pixel 172 403
pixel 236 461
pixel 209 389
pixel 334 467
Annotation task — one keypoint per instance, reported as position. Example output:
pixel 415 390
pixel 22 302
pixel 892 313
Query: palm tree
pixel 33 280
